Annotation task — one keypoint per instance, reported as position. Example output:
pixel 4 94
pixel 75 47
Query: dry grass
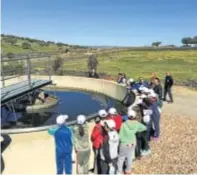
pixel 176 151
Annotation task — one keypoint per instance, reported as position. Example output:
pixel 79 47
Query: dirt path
pixel 185 103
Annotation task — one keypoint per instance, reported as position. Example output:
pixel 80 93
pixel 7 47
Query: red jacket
pixel 117 119
pixel 97 136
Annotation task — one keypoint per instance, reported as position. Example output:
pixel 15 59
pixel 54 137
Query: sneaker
pixel 138 158
pixel 127 172
pixel 146 153
pixel 155 138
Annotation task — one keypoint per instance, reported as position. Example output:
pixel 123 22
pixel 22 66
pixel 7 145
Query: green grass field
pixel 34 48
pixel 182 64
pixel 135 63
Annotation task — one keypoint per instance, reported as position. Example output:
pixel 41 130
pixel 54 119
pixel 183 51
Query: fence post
pixel 29 70
pixel 2 73
pixel 49 68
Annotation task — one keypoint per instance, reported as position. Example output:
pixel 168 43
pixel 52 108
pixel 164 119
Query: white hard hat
pixel 151 91
pixel 65 117
pixel 60 120
pixel 131 80
pixel 110 123
pixel 146 118
pixel 139 101
pixel 135 90
pixel 112 111
pixel 102 113
pixel 152 94
pixel 131 113
pixel 143 96
pixel 145 90
pixel 81 119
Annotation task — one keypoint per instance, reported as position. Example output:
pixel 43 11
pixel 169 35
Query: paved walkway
pixel 35 153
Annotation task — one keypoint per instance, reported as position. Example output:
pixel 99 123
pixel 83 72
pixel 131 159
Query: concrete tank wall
pixel 108 88
pixel 34 153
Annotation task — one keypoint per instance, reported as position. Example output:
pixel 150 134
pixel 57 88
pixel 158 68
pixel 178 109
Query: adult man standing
pixel 168 87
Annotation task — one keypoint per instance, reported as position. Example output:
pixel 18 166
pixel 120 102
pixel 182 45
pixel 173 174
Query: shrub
pixel 57 63
pixel 92 62
pixel 10 55
pixel 26 45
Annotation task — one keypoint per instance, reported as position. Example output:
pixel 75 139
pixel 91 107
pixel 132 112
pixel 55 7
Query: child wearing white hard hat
pixel 102 114
pixel 97 138
pixel 127 135
pixel 113 114
pixel 109 148
pixel 81 144
pixel 63 143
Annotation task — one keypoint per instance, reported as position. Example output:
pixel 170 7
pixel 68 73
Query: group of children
pixel 116 139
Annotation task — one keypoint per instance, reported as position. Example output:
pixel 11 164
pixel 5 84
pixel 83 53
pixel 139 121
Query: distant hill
pixel 15 44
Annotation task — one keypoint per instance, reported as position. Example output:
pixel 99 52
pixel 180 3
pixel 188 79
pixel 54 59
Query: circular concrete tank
pixel 31 150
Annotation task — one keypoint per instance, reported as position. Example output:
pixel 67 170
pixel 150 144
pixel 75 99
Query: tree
pixel 57 64
pixel 92 62
pixel 194 40
pixel 26 45
pixel 50 42
pixel 60 44
pixel 12 41
pixel 66 50
pixel 156 43
pixel 43 43
pixel 186 41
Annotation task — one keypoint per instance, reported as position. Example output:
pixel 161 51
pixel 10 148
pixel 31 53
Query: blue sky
pixel 101 22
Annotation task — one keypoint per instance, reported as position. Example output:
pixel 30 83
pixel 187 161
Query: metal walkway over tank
pixel 23 65
pixel 16 90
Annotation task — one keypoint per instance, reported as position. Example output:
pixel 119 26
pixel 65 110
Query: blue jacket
pixel 125 117
pixel 134 86
pixel 63 138
pixel 145 84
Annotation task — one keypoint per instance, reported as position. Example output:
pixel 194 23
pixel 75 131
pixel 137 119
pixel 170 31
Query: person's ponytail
pixel 81 130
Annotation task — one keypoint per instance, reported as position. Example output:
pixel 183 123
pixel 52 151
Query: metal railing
pixel 43 128
pixel 21 64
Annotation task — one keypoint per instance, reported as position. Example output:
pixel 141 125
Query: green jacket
pixel 81 143
pixel 128 130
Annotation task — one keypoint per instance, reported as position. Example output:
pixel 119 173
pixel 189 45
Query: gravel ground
pixel 175 152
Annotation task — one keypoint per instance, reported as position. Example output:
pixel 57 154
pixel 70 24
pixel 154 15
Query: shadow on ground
pixel 4 144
